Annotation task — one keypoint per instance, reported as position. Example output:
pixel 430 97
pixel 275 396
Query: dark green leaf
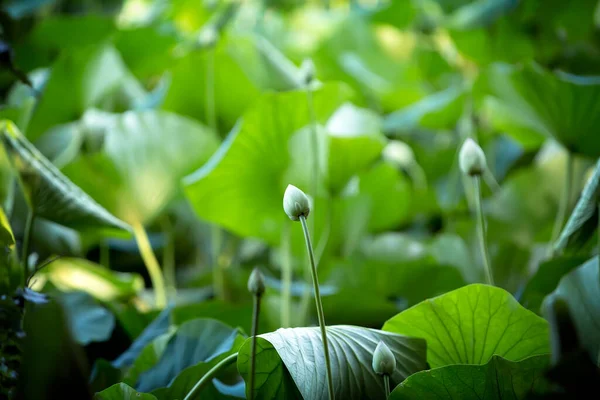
pixel 89 321
pixel 121 391
pixel 50 194
pixel 498 379
pixel 471 324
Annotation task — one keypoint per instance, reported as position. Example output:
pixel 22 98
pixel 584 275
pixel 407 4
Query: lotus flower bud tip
pixel 256 283
pixel 384 362
pixel 471 158
pixel 308 71
pixel 295 203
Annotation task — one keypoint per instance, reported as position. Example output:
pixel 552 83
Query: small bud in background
pixel 307 71
pixel 399 153
pixel 384 362
pixel 295 203
pixel 471 158
pixel 208 36
pixel 256 283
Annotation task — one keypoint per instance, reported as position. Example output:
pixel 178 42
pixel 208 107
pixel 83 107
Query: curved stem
pixel 208 377
pixel 286 276
pixel 481 233
pixel 27 244
pixel 168 261
pixel 563 207
pixel 386 383
pixel 255 318
pixel 319 304
pixel 151 263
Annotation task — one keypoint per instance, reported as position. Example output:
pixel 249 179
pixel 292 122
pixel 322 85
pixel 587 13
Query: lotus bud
pixel 307 71
pixel 471 158
pixel 384 362
pixel 208 36
pixel 256 283
pixel 399 154
pixel 295 203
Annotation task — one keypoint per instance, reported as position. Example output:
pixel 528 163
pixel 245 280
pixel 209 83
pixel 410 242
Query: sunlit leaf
pixel 295 356
pixel 471 324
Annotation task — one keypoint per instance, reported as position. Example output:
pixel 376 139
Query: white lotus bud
pixel 295 203
pixel 208 36
pixel 399 154
pixel 384 362
pixel 256 283
pixel 471 158
pixel 307 71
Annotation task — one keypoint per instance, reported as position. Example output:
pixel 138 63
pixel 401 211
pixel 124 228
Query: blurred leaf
pixel 199 340
pixel 7 238
pixel 583 221
pixel 136 171
pixel 398 13
pixel 355 141
pixel 479 13
pixel 440 110
pixel 241 187
pixel 498 379
pixel 389 193
pixel 121 391
pixel 104 375
pixel 227 312
pixel 546 279
pixel 23 8
pixel 580 289
pixel 89 322
pixel 471 324
pixel 559 105
pixel 301 356
pixel 53 364
pixel 91 74
pixel 49 193
pixel 69 274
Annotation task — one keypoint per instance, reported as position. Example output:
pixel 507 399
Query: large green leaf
pixel 584 219
pixel 498 379
pixel 560 105
pixel 121 391
pixel 241 187
pixel 91 73
pixel 580 289
pixel 471 324
pixel 69 274
pixel 89 321
pixel 196 341
pixel 298 353
pixel 49 193
pixel 136 169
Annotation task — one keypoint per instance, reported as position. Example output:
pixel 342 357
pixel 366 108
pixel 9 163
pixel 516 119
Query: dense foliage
pixel 448 149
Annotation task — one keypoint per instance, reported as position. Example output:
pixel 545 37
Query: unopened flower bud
pixel 307 71
pixel 256 283
pixel 295 203
pixel 384 362
pixel 471 158
pixel 399 154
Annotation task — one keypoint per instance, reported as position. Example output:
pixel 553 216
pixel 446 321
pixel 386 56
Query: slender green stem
pixel 563 207
pixel 286 276
pixel 255 319
pixel 169 255
pixel 386 383
pixel 104 253
pixel 319 304
pixel 208 377
pixel 26 244
pixel 151 264
pixel 211 109
pixel 216 241
pixel 481 232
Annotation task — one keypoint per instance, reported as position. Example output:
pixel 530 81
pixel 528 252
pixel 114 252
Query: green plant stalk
pixel 481 232
pixel 255 319
pixel 286 276
pixel 151 263
pixel 386 383
pixel 319 304
pixel 563 206
pixel 208 377
pixel 26 244
pixel 169 256
pixel 216 239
